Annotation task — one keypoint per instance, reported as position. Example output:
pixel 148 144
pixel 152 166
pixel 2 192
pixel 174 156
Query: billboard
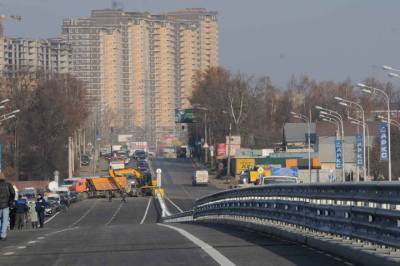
pixel 359 150
pixel 221 150
pixel 184 116
pixel 383 140
pixel 339 154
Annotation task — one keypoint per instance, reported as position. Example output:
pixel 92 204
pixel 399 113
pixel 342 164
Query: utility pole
pixel 228 170
pixel 205 139
pixel 69 157
pixel 309 144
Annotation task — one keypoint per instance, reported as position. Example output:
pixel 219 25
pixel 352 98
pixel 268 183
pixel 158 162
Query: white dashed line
pixel 8 253
pixel 21 247
pixel 85 214
pixel 40 237
pixel 115 214
pixel 348 263
pixel 212 252
pixel 145 213
pixel 51 218
pixel 32 242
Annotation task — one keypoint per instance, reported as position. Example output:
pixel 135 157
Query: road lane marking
pixel 212 252
pixel 51 218
pixel 84 215
pixel 32 242
pixel 40 237
pixel 147 210
pixel 115 214
pixel 21 247
pixel 60 231
pixel 173 203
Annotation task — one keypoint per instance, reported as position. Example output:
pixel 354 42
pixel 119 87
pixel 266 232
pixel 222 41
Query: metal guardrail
pixel 185 216
pixel 365 211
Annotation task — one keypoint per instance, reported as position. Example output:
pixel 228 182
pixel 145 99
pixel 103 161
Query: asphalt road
pixel 98 232
pixel 177 181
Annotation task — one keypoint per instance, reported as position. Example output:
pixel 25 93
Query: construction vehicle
pixel 141 184
pixel 77 184
pixel 101 186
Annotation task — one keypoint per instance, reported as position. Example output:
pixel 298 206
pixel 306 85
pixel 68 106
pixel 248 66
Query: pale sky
pixel 327 39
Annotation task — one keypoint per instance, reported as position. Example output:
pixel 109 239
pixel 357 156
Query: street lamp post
pixel 353 104
pixel 228 169
pixel 372 90
pixel 360 123
pixel 335 116
pixel 308 121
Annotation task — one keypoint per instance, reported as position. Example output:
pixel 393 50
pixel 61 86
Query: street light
pixel 384 67
pixel 373 91
pixel 308 121
pixel 360 123
pixel 393 75
pixel 336 116
pixel 7 118
pixel 4 101
pixel 202 108
pixel 353 104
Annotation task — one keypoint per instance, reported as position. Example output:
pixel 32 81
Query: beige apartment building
pixel 31 56
pixel 111 73
pixel 146 70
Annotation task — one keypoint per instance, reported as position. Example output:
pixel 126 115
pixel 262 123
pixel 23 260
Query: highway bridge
pixel 98 232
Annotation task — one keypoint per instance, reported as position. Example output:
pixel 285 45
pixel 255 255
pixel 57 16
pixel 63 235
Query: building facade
pixel 30 56
pixel 141 67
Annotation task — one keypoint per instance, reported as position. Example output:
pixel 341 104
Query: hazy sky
pixel 327 39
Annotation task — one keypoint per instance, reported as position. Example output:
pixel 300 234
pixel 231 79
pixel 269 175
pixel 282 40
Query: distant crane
pixel 4 17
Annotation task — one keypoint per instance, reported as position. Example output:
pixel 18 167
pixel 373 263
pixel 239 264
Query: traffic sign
pixel 260 170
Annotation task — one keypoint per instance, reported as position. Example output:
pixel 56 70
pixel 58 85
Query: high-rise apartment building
pixel 29 56
pixel 142 66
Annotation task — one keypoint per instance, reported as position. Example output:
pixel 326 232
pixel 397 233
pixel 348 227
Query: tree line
pixel 52 108
pixel 257 109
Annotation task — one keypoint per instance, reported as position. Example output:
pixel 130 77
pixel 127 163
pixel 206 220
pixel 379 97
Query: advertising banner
pixel 383 140
pixel 339 154
pixel 359 150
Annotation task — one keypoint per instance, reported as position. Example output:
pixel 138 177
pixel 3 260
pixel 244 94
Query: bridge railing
pixel 366 211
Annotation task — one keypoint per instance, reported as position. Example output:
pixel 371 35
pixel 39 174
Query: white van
pixel 200 177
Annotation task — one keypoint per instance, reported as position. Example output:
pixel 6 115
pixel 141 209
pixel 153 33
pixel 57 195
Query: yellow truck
pixel 101 186
pixel 139 183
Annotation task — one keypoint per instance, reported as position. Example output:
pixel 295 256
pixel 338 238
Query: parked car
pixel 52 207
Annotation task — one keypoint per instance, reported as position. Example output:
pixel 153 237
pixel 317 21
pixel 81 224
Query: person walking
pixel 7 197
pixel 110 196
pixel 123 195
pixel 40 208
pixel 20 212
pixel 33 216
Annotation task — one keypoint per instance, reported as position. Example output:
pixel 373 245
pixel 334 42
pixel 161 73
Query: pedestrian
pixel 20 212
pixel 64 203
pixel 123 195
pixel 109 196
pixel 40 208
pixel 33 216
pixel 7 197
